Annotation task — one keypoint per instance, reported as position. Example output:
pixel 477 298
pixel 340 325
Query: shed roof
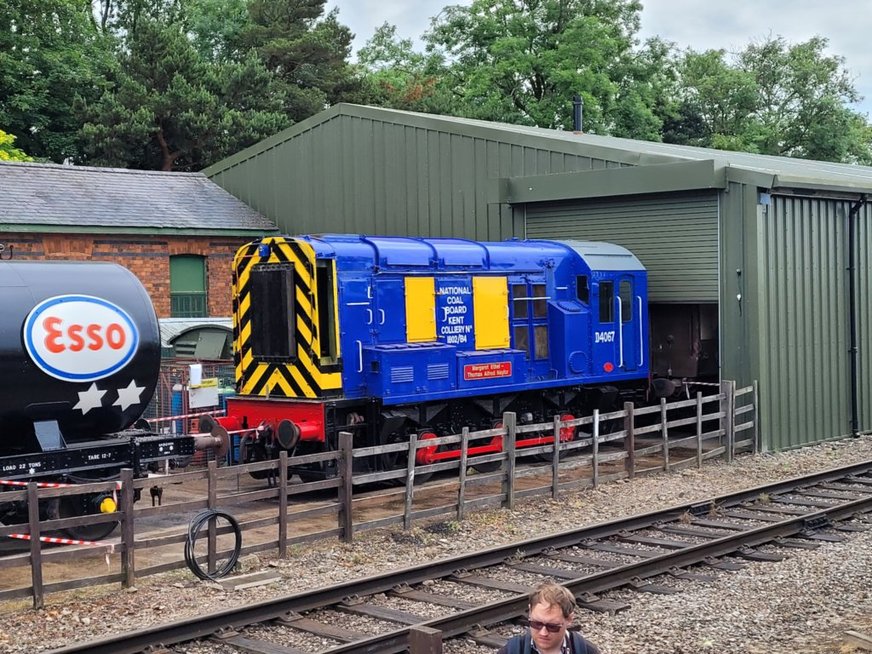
pixel 172 328
pixel 78 198
pixel 763 170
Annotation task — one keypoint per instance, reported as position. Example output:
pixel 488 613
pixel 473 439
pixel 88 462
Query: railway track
pixel 478 595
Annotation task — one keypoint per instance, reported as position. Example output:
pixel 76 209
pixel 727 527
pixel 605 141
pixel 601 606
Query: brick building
pixel 177 232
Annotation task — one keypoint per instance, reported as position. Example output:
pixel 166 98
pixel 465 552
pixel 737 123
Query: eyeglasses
pixel 535 625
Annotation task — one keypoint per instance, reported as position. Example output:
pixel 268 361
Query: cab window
pixel 607 301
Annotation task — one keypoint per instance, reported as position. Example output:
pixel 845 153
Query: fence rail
pixel 575 454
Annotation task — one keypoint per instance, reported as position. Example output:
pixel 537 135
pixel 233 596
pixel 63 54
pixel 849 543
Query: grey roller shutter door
pixel 675 237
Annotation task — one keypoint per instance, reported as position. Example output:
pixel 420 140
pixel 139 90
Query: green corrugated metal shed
pixel 759 241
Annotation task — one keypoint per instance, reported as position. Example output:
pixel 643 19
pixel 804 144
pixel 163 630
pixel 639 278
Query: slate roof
pixel 117 200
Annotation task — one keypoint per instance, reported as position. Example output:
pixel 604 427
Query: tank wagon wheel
pixel 74 506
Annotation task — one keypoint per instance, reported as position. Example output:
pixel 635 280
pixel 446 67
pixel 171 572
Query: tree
pixel 215 28
pixel 304 48
pixel 51 58
pixel 171 110
pixel 8 151
pixel 521 61
pixel 774 98
pixel 395 75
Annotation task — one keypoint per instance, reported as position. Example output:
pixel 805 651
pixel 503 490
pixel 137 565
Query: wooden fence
pixel 596 449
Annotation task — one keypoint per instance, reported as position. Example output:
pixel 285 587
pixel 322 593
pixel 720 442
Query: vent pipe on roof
pixel 577 109
pixel 852 313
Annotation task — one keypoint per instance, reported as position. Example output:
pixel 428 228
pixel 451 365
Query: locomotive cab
pixel 385 336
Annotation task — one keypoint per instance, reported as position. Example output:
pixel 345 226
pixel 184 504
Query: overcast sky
pixel 699 24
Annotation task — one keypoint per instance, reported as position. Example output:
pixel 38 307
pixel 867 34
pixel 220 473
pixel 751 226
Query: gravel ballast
pixel 802 604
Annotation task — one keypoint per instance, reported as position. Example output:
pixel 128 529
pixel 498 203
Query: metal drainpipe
pixel 852 314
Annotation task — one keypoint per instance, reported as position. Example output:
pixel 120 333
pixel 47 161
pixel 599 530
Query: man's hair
pixel 550 593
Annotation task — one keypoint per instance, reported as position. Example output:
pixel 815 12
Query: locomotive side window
pixel 606 301
pixel 326 311
pixel 522 339
pixel 625 290
pixel 519 300
pixel 540 304
pixel 582 290
pixel 540 333
pixel 530 326
pixel 272 325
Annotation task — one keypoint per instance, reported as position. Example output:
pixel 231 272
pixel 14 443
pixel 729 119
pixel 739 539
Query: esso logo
pixel 79 337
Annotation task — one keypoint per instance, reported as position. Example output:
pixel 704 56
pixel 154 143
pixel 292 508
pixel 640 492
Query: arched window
pixel 188 286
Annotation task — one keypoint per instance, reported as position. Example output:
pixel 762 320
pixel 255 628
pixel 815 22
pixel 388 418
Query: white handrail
pixel 641 340
pixel 620 333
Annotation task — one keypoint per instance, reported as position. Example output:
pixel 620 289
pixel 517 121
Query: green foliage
pixel 50 58
pixel 773 98
pixel 8 151
pixel 215 26
pixel 171 110
pixel 521 61
pixel 395 75
pixel 303 48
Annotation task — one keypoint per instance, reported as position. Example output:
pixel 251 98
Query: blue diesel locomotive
pixel 389 336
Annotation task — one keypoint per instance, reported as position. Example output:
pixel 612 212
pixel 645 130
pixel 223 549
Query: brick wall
pixel 147 257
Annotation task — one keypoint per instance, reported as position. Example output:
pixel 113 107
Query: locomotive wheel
pixel 566 434
pixel 73 506
pixel 491 466
pixel 399 460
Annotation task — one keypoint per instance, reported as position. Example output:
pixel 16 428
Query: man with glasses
pixel 550 615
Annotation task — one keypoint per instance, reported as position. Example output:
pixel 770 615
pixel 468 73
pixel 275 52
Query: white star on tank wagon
pixel 129 396
pixel 90 399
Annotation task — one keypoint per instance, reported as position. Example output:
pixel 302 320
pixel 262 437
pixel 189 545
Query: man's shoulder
pixel 512 645
pixel 581 645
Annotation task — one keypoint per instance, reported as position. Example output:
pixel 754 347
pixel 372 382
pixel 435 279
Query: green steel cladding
pixel 764 237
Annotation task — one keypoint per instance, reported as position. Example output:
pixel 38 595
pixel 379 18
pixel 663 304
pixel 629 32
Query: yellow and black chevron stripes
pixel 304 376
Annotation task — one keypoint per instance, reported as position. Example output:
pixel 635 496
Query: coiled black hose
pixel 194 529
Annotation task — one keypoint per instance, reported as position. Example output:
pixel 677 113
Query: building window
pixel 188 286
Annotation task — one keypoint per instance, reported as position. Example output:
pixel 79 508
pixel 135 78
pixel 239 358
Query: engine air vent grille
pixel 402 374
pixel 437 371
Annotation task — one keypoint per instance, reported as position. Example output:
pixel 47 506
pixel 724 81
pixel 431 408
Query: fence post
pixel 664 431
pixel 510 424
pixel 283 504
pixel 425 640
pixel 595 445
pixel 212 503
pixel 555 461
pixel 464 454
pixel 630 439
pixel 35 545
pixel 699 429
pixel 756 418
pixel 346 467
pixel 410 481
pixel 128 565
pixel 730 418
